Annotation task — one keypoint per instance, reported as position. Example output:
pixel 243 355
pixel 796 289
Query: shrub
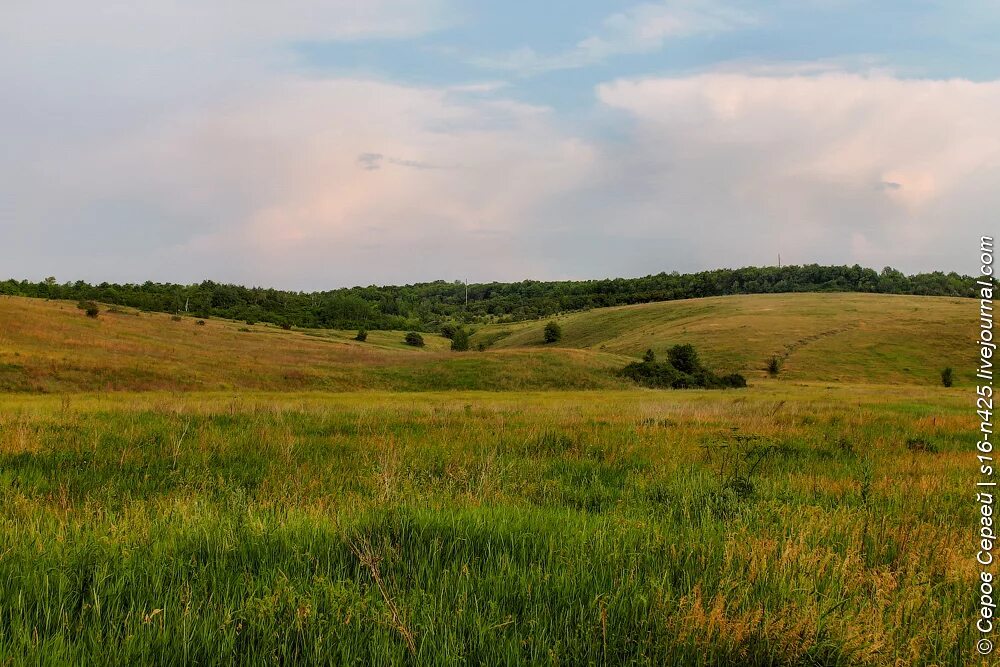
pixel 734 380
pixel 89 307
pixel 251 321
pixel 200 323
pixel 481 346
pixel 553 333
pixel 362 335
pixel 414 339
pixel 773 365
pixel 684 358
pixel 460 340
pixel 176 318
pixel 448 331
pixel 653 374
pixel 659 375
pixel 285 324
pixel 947 377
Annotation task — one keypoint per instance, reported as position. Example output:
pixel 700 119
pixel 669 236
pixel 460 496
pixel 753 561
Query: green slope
pixel 824 337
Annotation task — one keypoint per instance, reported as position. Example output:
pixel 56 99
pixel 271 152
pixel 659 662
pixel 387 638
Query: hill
pixel 48 346
pixel 427 306
pixel 51 346
pixel 875 338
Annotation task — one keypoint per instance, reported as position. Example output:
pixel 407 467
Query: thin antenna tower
pixel 779 260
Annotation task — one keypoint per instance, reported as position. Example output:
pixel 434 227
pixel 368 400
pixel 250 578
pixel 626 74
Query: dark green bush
pixel 684 358
pixel 659 375
pixel 460 340
pixel 553 333
pixel 947 376
pixel 89 307
pixel 414 339
pixel 362 335
pixel 774 365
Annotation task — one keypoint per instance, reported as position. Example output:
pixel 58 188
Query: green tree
pixel 553 333
pixel 649 357
pixel 414 339
pixel 460 340
pixel 684 358
pixel 947 377
pixel 362 335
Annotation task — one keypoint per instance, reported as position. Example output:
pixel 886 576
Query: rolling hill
pixel 824 337
pixel 49 346
pixel 52 346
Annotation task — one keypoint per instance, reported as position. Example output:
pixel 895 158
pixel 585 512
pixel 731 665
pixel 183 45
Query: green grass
pixel 54 347
pixel 177 493
pixel 504 528
pixel 825 337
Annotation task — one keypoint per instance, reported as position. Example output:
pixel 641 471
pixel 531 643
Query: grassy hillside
pixel 824 337
pixel 51 346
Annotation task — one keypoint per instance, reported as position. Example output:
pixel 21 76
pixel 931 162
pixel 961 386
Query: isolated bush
pixel 285 324
pixel 481 347
pixel 414 339
pixel 251 321
pixel 659 375
pixel 773 365
pixel 200 323
pixel 684 358
pixel 947 377
pixel 362 335
pixel 176 318
pixel 460 340
pixel 448 331
pixel 90 308
pixel 553 333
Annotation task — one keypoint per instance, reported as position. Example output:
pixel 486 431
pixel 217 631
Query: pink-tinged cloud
pixel 807 162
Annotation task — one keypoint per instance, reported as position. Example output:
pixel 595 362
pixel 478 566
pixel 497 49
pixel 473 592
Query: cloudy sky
pixel 310 144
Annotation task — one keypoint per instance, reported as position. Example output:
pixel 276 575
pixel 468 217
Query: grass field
pixel 50 346
pixel 210 521
pixel 827 337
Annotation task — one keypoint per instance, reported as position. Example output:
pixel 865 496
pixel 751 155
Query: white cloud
pixel 321 182
pixel 641 28
pixel 833 167
pixel 188 146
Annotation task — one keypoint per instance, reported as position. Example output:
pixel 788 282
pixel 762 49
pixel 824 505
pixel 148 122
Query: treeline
pixel 426 306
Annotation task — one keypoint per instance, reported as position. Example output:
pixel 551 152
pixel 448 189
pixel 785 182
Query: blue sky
pixel 313 144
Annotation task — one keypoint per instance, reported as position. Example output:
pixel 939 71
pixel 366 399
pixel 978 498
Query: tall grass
pixel 571 528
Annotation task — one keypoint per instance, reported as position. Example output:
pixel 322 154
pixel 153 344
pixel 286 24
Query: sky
pixel 314 144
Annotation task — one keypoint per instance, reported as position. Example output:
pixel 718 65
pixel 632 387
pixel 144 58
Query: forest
pixel 427 306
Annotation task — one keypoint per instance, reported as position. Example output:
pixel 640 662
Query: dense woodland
pixel 426 306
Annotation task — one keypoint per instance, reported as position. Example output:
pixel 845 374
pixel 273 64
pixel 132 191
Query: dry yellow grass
pixel 52 346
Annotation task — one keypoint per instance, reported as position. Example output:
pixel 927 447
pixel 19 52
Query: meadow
pixel 166 522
